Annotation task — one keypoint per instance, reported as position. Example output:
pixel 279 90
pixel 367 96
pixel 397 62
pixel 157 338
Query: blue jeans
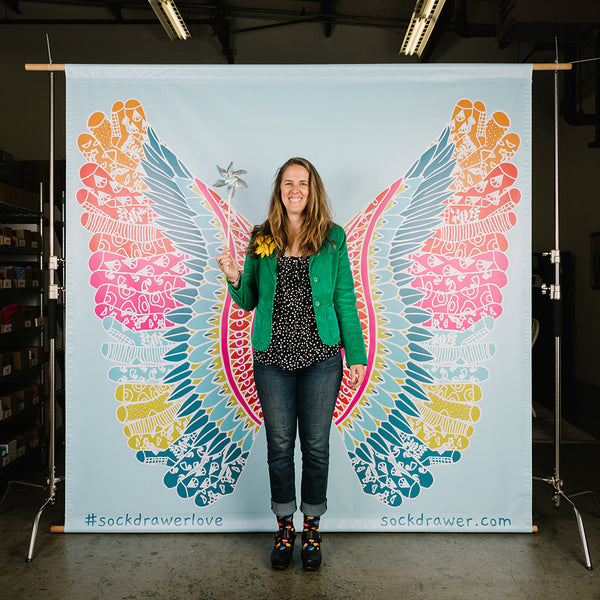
pixel 302 400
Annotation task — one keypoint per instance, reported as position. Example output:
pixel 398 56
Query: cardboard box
pixel 36 240
pixel 6 364
pixel 21 444
pixel 34 356
pixel 6 278
pixel 20 360
pixel 18 320
pixel 23 237
pixel 4 455
pixel 18 401
pixel 6 236
pixel 34 393
pixel 12 449
pixel 5 411
pixel 33 437
pixel 18 238
pixel 32 277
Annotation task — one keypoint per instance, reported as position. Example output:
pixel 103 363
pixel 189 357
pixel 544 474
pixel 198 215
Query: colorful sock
pixel 311 525
pixel 286 522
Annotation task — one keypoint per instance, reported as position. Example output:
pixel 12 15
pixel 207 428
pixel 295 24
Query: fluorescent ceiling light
pixel 170 19
pixel 422 22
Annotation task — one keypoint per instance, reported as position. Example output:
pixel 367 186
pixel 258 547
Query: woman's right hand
pixel 230 268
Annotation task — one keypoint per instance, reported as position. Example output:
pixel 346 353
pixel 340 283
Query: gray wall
pixel 24 117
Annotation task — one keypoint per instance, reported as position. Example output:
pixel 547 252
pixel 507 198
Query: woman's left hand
pixel 357 375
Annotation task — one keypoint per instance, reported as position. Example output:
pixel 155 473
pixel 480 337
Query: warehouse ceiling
pixel 534 22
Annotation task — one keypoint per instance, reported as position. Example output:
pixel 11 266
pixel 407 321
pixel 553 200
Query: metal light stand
pixel 555 295
pixel 52 480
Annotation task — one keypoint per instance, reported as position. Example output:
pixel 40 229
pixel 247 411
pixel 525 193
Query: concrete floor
pixel 546 565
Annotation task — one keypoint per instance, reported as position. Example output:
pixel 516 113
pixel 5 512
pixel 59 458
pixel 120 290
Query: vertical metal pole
pixel 51 327
pixel 52 297
pixel 556 298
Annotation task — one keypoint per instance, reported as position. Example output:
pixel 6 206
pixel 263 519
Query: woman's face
pixel 295 189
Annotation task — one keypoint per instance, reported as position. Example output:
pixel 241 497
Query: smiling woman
pixel 294 195
pixel 306 311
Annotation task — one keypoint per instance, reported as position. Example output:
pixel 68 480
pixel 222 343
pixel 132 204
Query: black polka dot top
pixel 295 342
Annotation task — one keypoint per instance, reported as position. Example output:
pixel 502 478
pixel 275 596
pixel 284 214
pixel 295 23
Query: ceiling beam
pixel 115 9
pixel 12 5
pixel 222 30
pixel 328 10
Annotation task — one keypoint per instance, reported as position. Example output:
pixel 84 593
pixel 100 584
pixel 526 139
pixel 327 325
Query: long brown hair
pixel 317 215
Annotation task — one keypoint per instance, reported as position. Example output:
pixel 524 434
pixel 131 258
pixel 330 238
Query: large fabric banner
pixel 427 168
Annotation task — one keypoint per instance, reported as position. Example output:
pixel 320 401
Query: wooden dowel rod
pixel 552 66
pixel 39 67
pixel 536 67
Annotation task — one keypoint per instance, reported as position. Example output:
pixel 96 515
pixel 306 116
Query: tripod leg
pixel 593 494
pixel 23 483
pixel 35 528
pixel 586 552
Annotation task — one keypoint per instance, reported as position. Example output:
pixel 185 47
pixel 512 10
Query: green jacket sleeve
pixel 344 300
pixel 246 296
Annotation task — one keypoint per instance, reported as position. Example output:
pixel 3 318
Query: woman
pixel 297 276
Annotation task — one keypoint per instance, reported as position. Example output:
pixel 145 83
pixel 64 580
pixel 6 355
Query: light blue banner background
pixel 362 127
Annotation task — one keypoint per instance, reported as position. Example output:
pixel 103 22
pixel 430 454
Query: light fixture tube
pixel 422 22
pixel 416 35
pixel 170 19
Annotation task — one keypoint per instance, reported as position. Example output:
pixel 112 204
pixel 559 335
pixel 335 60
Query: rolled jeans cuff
pixel 283 510
pixel 313 510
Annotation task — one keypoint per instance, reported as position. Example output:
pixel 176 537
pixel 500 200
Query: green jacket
pixel 334 299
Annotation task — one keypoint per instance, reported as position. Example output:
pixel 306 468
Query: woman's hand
pixel 230 268
pixel 357 375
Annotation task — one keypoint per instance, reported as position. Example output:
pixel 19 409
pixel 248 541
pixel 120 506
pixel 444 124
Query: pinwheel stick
pixel 229 198
pixel 233 180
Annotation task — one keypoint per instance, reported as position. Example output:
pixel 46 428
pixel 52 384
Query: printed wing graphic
pixel 428 255
pixel 180 349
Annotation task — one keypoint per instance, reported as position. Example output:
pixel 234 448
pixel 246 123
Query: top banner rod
pixel 536 67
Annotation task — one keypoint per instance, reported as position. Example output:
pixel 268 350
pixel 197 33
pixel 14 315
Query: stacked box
pixel 5 236
pixel 34 356
pixel 21 238
pixel 20 360
pixel 33 393
pixel 33 437
pixel 36 240
pixel 5 364
pixel 5 407
pixel 18 401
pixel 7 277
pixel 4 455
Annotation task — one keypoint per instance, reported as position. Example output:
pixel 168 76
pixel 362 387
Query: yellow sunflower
pixel 265 245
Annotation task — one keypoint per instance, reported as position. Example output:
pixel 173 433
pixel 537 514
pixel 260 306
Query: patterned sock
pixel 286 522
pixel 311 524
